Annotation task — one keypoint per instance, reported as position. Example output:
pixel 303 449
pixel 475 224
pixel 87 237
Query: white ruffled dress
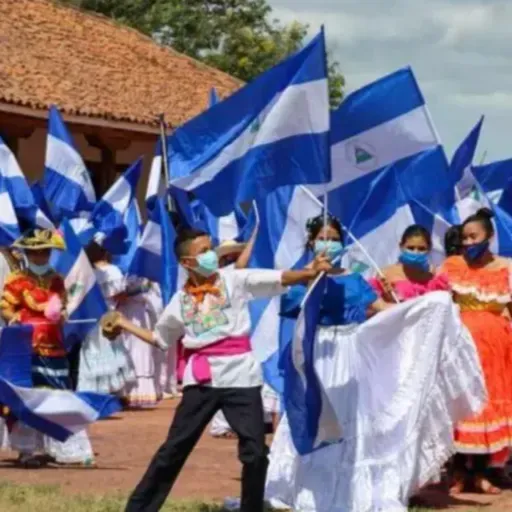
pixel 106 366
pixel 398 385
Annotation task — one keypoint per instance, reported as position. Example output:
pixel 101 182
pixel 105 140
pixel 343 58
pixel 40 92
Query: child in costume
pixel 35 295
pixel 211 317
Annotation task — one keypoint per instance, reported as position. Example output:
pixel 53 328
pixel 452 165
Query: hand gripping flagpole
pixel 165 163
pixel 371 261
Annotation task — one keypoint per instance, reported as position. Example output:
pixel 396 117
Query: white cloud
pixel 458 49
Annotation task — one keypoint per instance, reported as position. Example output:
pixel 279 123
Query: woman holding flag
pixel 370 400
pixel 481 286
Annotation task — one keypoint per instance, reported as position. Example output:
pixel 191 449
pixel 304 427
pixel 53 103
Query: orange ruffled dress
pixel 483 295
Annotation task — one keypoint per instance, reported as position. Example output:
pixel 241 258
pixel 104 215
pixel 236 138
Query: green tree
pixel 239 37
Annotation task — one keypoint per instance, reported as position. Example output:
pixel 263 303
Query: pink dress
pixel 406 289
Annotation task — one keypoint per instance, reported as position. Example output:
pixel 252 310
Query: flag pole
pixel 167 175
pixel 371 261
pixel 329 162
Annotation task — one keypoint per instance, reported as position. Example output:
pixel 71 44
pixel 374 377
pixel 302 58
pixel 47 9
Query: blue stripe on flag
pixel 235 152
pixel 376 103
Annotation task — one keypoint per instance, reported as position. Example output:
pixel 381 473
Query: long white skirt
pixel 146 391
pixel 398 384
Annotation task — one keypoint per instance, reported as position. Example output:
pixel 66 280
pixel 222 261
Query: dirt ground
pixel 125 443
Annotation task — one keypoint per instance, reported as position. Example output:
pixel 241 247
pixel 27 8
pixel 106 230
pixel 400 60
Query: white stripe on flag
pixel 7 213
pixel 383 145
pixel 65 160
pixel 311 116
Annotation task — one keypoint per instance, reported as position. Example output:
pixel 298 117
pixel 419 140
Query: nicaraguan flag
pixel 226 227
pixel 382 135
pixel 40 198
pixel 280 243
pixel 272 132
pixel 56 413
pixel 493 178
pixel 9 228
pixel 107 220
pixel 133 222
pixel 313 422
pixel 156 183
pixel 22 198
pixel 469 195
pixel 154 257
pixel 67 183
pixel 85 299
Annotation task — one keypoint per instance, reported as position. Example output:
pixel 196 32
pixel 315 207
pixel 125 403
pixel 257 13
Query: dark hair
pixel 183 239
pixel 95 253
pixel 416 230
pixel 316 224
pixel 453 241
pixel 483 216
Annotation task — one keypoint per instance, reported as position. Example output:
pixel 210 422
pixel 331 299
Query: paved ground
pixel 125 444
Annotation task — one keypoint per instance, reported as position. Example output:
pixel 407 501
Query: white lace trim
pixel 480 295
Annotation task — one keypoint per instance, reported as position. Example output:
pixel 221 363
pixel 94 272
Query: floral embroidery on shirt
pixel 205 316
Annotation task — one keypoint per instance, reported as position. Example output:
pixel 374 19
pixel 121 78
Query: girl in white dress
pixel 397 384
pixel 105 366
pixel 139 307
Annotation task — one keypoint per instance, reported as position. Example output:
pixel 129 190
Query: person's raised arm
pixel 243 260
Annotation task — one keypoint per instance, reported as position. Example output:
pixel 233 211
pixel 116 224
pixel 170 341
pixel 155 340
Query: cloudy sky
pixel 460 51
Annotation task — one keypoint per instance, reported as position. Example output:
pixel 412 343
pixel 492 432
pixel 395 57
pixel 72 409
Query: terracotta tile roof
pixel 91 66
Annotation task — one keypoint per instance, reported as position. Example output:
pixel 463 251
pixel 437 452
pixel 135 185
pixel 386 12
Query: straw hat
pixel 40 240
pixel 229 248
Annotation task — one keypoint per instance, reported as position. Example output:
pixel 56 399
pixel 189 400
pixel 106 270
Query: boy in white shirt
pixel 211 317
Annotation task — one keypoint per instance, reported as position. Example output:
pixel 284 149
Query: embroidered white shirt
pixel 218 317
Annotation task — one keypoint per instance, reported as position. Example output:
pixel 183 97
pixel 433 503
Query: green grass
pixel 49 498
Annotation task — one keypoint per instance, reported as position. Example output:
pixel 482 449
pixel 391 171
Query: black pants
pixel 243 409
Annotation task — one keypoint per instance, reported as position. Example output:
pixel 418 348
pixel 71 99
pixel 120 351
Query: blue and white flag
pixel 56 413
pixel 85 300
pixel 226 227
pixel 154 257
pixel 272 132
pixel 67 183
pixel 313 422
pixel 9 228
pixel 16 184
pixel 133 222
pixel 466 189
pixel 40 198
pixel 107 221
pixel 280 243
pixel 156 183
pixel 493 178
pixel 383 132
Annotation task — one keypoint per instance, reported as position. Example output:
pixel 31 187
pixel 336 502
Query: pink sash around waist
pixel 231 346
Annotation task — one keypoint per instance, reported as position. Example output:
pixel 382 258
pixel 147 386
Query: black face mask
pixel 474 252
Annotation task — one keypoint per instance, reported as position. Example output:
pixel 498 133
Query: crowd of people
pixel 415 364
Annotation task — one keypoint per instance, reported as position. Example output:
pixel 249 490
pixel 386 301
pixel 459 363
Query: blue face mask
pixel 331 248
pixel 415 259
pixel 474 251
pixel 39 270
pixel 207 263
